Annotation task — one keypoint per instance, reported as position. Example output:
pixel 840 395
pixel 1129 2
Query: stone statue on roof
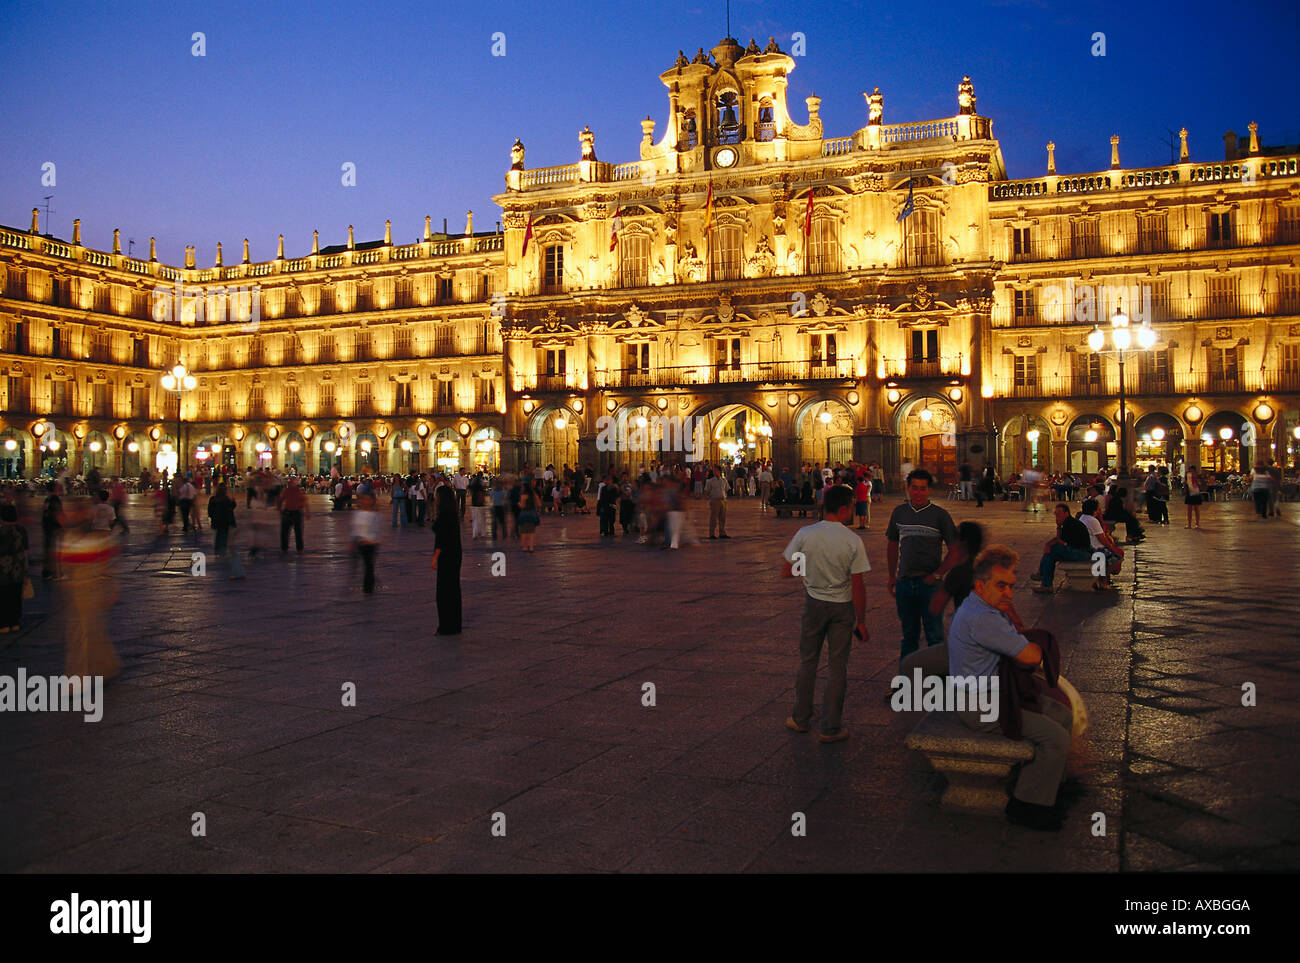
pixel 517 155
pixel 588 141
pixel 771 47
pixel 752 49
pixel 681 60
pixel 701 58
pixel 966 96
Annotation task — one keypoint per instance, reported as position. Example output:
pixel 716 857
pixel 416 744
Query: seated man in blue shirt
pixel 984 629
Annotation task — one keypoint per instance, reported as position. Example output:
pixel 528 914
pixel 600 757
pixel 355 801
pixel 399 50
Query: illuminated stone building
pixel 883 296
pixel 805 319
pixel 367 356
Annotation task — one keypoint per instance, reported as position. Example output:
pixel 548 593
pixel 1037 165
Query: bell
pixel 729 117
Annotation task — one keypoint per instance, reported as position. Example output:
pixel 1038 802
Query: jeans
pixel 832 623
pixel 1058 553
pixel 912 597
pixel 399 512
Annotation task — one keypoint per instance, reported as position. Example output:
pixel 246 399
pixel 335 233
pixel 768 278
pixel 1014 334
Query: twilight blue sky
pixel 249 139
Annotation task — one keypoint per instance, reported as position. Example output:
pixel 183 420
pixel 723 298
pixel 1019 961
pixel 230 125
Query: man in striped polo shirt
pixel 918 532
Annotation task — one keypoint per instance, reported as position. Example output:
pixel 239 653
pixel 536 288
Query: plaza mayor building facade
pixel 888 295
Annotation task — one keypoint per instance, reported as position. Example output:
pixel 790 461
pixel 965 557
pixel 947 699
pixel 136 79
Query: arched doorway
pixel 165 457
pixel 731 434
pixel 1090 444
pixel 446 450
pixel 1227 443
pixel 485 446
pixel 553 436
pixel 328 454
pixel 1159 441
pixel 404 455
pixel 1024 440
pixel 13 453
pixel 366 456
pixel 825 430
pixel 926 426
pixel 133 458
pixel 295 452
pixel 98 454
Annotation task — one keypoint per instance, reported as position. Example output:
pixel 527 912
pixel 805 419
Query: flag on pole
pixel 615 227
pixel 807 217
pixel 910 206
pixel 528 235
pixel 708 210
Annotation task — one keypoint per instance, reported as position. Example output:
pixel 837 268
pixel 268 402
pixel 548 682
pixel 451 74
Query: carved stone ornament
pixel 1058 416
pixel 1294 330
pixel 634 316
pixel 922 299
pixel 1221 334
pixel 552 321
pixel 726 313
pixel 1024 341
pixel 820 304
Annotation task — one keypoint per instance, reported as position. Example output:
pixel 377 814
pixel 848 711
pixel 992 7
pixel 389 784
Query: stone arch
pixel 1091 441
pixel 729 430
pixel 552 434
pixel 1018 449
pixel 1233 451
pixel 1160 439
pixel 927 441
pixel 823 429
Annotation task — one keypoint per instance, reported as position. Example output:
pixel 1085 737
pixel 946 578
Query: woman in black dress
pixel 446 560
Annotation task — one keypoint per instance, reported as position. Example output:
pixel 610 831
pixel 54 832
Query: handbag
pixel 28 591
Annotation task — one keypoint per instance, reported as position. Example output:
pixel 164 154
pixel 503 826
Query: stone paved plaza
pixel 230 705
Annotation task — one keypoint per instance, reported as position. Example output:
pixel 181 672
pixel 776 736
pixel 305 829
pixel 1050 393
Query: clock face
pixel 725 157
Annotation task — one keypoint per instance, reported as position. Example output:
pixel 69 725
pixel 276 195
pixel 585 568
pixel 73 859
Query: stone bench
pixel 1075 576
pixel 976 765
pixel 785 509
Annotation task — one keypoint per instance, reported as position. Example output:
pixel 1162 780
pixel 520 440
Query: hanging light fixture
pixel 926 413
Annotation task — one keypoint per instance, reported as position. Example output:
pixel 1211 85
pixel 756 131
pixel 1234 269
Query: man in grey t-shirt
pixel 832 561
pixel 917 533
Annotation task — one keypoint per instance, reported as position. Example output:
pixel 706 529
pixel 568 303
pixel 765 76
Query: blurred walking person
pixel 365 538
pixel 447 560
pixel 293 510
pixel 51 529
pixel 221 516
pixel 86 558
pixel 13 569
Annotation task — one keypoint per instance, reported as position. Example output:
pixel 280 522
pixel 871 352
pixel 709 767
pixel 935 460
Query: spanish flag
pixel 708 210
pixel 807 218
pixel 528 235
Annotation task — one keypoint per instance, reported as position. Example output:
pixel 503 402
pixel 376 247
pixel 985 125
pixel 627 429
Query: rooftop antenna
pixel 728 18
pixel 48 197
pixel 130 247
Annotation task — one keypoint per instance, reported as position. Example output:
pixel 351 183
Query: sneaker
pixel 839 735
pixel 1032 816
pixel 794 726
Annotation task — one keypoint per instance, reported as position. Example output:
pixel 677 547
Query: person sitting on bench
pixel 981 633
pixel 778 493
pixel 1099 540
pixel 1071 544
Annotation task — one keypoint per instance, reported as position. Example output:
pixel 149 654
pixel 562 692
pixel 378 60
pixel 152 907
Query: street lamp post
pixel 1122 338
pixel 178 381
